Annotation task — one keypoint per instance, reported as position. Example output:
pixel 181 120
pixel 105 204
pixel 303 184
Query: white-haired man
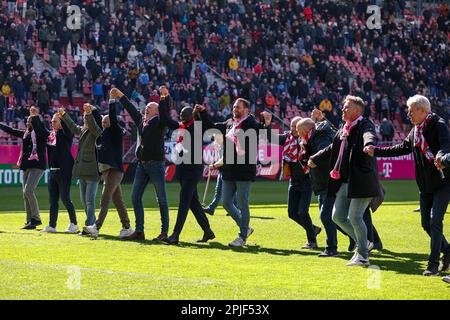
pixel 428 140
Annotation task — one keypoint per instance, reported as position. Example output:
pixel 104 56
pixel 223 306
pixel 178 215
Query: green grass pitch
pixel 272 266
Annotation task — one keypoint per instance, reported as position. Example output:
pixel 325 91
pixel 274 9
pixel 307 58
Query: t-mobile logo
pixel 387 169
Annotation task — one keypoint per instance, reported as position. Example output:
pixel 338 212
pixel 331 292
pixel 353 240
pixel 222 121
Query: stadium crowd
pixel 303 53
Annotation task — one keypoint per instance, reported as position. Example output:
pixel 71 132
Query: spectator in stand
pixel 387 130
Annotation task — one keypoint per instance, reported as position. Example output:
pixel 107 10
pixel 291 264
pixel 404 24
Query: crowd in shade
pixel 276 54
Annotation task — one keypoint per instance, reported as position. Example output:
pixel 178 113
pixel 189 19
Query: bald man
pixel 150 158
pixel 299 192
pixel 315 137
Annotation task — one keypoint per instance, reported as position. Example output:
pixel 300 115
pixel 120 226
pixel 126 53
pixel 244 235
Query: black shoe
pixel 377 246
pixel 351 245
pixel 83 234
pixel 36 222
pixel 209 211
pixel 161 237
pixel 328 253
pixel 29 226
pixel 317 230
pixel 432 270
pixel 173 239
pixel 207 236
pixel 446 261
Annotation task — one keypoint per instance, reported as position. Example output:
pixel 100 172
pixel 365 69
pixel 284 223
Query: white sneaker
pixel 238 242
pixel 49 229
pixel 250 231
pixel 72 228
pixel 359 261
pixel 126 232
pixel 446 279
pixel 92 230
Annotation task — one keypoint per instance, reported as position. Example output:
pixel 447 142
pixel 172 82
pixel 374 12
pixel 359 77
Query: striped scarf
pixel 181 131
pixel 34 154
pixel 290 148
pixel 232 135
pixel 419 139
pixel 51 140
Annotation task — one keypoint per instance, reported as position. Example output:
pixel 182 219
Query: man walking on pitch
pixel 354 177
pixel 239 168
pixel 428 141
pixel 189 171
pixel 300 192
pixel 150 154
pixel 110 153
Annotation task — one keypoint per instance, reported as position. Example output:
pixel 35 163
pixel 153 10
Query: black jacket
pixel 41 140
pixel 60 156
pixel 241 168
pixel 363 169
pixel 190 165
pixel 150 139
pixel 109 144
pixel 437 136
pixel 321 138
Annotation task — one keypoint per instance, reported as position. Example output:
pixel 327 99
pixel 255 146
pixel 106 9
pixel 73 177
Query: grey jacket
pixel 85 166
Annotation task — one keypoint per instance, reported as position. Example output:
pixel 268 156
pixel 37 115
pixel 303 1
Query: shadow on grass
pixel 400 262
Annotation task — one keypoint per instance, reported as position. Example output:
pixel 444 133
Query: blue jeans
pixel 348 214
pixel 218 194
pixel 299 199
pixel 432 209
pixel 241 213
pixel 155 174
pixel 88 192
pixel 59 187
pixel 325 210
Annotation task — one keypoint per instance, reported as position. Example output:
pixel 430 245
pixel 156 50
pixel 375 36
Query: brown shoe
pixel 161 237
pixel 135 236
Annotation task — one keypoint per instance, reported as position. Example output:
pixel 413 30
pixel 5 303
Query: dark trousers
pixel 432 209
pixel 326 211
pixel 299 199
pixel 189 179
pixel 59 186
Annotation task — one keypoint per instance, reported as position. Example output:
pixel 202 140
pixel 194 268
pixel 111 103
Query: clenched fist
pixel 87 108
pixel 370 150
pixel 115 93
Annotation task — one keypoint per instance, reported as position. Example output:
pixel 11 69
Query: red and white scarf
pixel 336 172
pixel 34 154
pixel 232 134
pixel 181 132
pixel 51 140
pixel 290 148
pixel 419 139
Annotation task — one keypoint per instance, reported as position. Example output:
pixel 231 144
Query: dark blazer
pixel 363 170
pixel 150 139
pixel 109 143
pixel 60 156
pixel 321 138
pixel 41 140
pixel 436 134
pixel 241 168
